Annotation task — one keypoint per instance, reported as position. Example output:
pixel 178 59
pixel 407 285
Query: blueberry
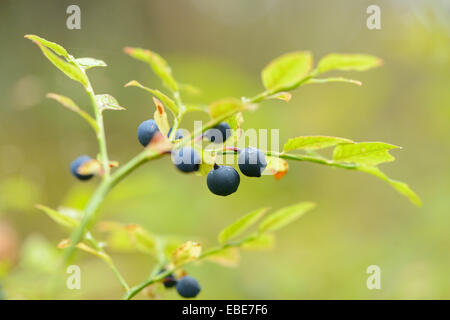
pixel 219 133
pixel 188 287
pixel 223 180
pixel 186 159
pixel 178 134
pixel 252 162
pixel 146 131
pixel 170 281
pixel 76 164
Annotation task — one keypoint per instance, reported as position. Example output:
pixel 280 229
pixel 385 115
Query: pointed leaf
pixel 59 217
pixel 285 216
pixel 286 72
pixel 227 257
pixel 224 107
pixel 401 187
pixel 82 246
pixel 157 63
pixel 59 50
pixel 69 104
pixel 107 102
pixel 264 241
pixel 285 96
pixel 241 225
pixel 143 240
pixel 187 252
pixel 367 153
pixel 87 63
pixel 348 62
pixel 160 117
pixel 313 142
pixel 69 69
pixel 169 103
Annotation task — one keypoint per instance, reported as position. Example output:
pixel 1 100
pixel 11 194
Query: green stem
pixel 101 192
pixel 159 276
pixel 108 261
pixel 101 138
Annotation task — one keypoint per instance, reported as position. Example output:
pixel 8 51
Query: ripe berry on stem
pixel 186 159
pixel 252 162
pixel 146 131
pixel 76 164
pixel 223 180
pixel 219 133
pixel 188 287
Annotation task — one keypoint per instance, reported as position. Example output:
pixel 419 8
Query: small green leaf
pixel 227 257
pixel 59 50
pixel 285 96
pixel 313 142
pixel 264 241
pixel 59 217
pixel 401 187
pixel 285 216
pixel 65 243
pixel 160 117
pixel 107 102
pixel 143 240
pixel 225 106
pixel 287 71
pixel 69 104
pixel 87 63
pixel 169 103
pixel 348 62
pixel 69 69
pixel 241 225
pixel 157 63
pixel 187 252
pixel 366 153
pixel 333 79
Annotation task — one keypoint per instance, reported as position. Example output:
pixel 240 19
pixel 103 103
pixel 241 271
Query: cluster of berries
pixel 221 180
pixel 187 286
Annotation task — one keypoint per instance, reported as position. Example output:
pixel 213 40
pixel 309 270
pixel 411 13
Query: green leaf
pixel 69 69
pixel 285 96
pixel 285 216
pixel 348 62
pixel 59 50
pixel 264 241
pixel 227 257
pixel 366 153
pixel 59 217
pixel 107 102
pixel 187 252
pixel 160 117
pixel 157 63
pixel 313 142
pixel 169 103
pixel 65 243
pixel 69 104
pixel 87 63
pixel 225 106
pixel 333 79
pixel 143 240
pixel 241 225
pixel 401 187
pixel 287 71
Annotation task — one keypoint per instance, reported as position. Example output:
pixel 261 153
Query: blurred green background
pixel 221 46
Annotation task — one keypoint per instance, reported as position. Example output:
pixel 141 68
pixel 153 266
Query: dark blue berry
pixel 188 287
pixel 223 180
pixel 146 131
pixel 219 133
pixel 178 134
pixel 76 164
pixel 186 159
pixel 170 281
pixel 252 162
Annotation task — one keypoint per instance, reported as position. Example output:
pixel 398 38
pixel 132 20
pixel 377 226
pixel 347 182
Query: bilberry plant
pixel 161 138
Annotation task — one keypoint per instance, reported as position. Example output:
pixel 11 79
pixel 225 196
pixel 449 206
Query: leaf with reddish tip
pixel 160 117
pixel 187 252
pixel 276 166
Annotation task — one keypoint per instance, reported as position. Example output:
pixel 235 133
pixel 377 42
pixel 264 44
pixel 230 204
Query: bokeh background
pixel 221 46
